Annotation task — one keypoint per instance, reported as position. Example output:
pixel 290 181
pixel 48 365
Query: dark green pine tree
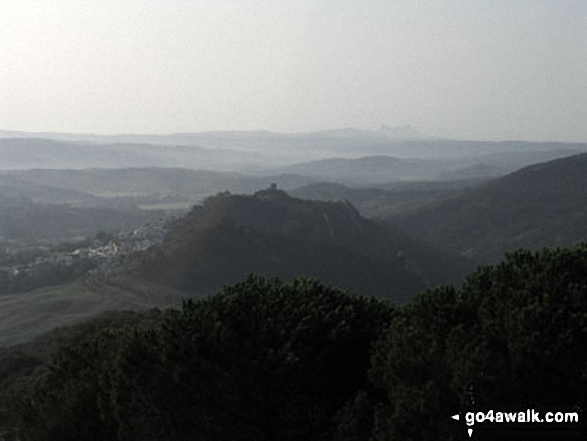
pixel 258 361
pixel 517 331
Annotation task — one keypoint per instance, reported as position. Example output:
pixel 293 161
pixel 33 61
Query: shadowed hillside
pixel 23 219
pixel 540 205
pixel 401 198
pixel 274 234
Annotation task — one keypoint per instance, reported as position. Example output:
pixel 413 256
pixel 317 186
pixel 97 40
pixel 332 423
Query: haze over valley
pixel 324 221
pixel 396 224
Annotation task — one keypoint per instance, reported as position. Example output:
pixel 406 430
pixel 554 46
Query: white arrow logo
pixel 457 417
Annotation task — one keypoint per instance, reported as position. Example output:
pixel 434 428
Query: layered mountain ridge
pixel 538 206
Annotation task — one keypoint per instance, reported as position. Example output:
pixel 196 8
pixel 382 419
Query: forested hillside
pixel 540 205
pixel 273 234
pixel 264 360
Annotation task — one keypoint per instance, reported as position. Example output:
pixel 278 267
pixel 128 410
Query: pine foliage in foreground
pixel 260 360
pixel 266 361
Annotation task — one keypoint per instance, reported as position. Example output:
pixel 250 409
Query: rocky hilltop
pixel 273 234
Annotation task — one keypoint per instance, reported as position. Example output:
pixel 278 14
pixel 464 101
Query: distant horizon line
pixel 380 131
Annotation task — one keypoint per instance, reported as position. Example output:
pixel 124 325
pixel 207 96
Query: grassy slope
pixel 23 316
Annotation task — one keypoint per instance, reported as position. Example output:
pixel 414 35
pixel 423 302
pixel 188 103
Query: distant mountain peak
pixel 403 131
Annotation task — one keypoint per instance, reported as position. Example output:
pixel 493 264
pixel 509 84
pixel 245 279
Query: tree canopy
pixel 260 360
pixel 263 360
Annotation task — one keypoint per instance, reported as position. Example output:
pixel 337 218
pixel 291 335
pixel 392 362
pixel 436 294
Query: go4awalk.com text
pixel 526 423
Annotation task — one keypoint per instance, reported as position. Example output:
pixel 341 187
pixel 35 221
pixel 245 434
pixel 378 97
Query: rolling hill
pixel 262 152
pixel 368 169
pixel 29 153
pixel 24 220
pixel 540 205
pixel 25 316
pixel 381 170
pixel 144 181
pixel 383 203
pixel 273 234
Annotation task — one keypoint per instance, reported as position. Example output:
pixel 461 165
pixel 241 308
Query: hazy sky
pixel 511 69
